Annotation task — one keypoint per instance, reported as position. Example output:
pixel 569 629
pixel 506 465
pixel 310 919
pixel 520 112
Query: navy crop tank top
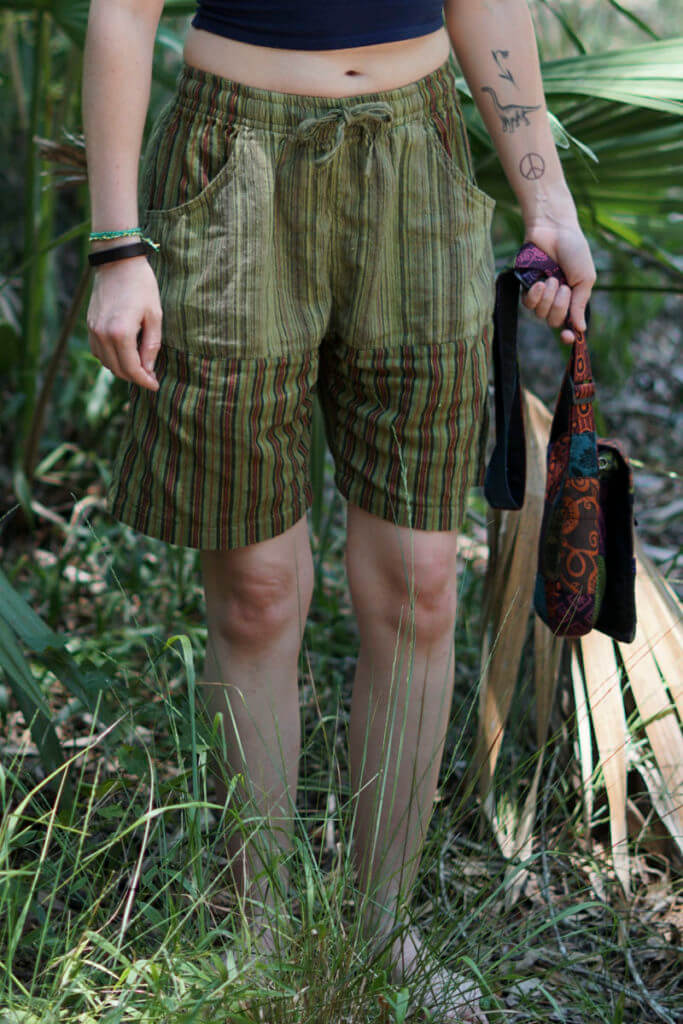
pixel 319 24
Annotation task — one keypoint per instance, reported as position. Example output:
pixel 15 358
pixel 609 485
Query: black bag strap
pixel 505 478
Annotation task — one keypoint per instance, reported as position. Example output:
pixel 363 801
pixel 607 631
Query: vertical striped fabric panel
pixel 366 276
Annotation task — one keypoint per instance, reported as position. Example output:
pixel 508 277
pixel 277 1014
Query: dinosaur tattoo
pixel 498 56
pixel 511 115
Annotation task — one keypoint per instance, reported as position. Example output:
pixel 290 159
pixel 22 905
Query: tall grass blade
pixel 584 739
pixel 193 812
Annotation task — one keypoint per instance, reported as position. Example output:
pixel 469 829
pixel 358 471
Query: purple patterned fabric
pixel 531 263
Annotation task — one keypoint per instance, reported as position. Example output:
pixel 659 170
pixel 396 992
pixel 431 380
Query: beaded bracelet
pixel 102 236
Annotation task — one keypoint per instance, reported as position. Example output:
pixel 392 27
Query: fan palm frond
pixel 602 671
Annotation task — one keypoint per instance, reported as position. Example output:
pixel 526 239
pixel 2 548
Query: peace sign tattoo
pixel 532 166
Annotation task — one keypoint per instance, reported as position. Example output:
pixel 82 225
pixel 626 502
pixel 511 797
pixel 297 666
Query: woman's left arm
pixel 495 45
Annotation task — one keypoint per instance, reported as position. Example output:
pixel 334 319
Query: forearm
pixel 495 45
pixel 116 88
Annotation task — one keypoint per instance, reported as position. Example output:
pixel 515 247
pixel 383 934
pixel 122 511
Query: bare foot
pixel 450 997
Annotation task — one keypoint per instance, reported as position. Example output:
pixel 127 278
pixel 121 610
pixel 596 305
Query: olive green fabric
pixel 309 243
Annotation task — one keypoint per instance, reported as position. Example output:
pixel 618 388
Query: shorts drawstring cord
pixel 370 115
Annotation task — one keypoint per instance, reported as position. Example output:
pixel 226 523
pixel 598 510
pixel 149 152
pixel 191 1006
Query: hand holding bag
pixel 585 576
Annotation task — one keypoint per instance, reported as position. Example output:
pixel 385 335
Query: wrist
pixel 115 254
pixel 108 268
pixel 551 208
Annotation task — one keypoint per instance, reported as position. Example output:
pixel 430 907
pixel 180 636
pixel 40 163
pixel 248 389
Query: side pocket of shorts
pixel 188 158
pixel 149 167
pixel 449 132
pixel 465 214
pixel 211 256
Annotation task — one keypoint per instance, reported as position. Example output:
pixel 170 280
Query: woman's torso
pixel 324 72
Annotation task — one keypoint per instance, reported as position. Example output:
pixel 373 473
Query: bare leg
pixel 403 587
pixel 257 600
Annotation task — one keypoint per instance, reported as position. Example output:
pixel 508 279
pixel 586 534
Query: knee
pixel 417 598
pixel 429 602
pixel 261 604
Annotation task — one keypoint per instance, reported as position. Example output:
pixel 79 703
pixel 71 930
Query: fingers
pixel 115 343
pixel 553 302
pixel 550 300
pixel 563 306
pixel 580 296
pixel 548 295
pixel 131 364
pixel 100 347
pixel 151 341
pixel 560 307
pixel 124 321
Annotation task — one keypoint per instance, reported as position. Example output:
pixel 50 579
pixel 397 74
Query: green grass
pixel 114 903
pixel 117 908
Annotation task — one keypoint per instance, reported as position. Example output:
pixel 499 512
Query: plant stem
pixel 36 425
pixel 15 70
pixel 32 310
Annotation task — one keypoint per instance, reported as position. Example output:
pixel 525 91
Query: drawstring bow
pixel 370 115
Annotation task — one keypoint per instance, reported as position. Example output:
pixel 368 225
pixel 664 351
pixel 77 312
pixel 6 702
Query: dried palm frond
pixel 68 165
pixel 513 544
pixel 601 673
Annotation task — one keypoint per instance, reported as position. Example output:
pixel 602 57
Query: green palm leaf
pixel 22 629
pixel 625 107
pixel 72 15
pixel 650 75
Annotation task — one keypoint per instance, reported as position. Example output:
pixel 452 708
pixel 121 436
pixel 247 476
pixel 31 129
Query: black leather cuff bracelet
pixel 119 252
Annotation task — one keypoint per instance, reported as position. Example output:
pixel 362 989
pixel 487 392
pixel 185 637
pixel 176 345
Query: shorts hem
pixel 209 538
pixel 422 517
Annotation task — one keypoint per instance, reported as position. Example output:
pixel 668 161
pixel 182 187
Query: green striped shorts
pixel 309 245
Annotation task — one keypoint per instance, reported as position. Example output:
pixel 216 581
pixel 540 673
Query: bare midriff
pixel 357 69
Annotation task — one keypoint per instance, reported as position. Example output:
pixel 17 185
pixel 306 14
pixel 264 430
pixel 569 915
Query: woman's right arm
pixel 124 316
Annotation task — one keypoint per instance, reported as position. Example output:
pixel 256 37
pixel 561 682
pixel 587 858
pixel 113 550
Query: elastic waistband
pixel 204 93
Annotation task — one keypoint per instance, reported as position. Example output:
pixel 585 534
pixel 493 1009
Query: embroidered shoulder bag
pixel 585 577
